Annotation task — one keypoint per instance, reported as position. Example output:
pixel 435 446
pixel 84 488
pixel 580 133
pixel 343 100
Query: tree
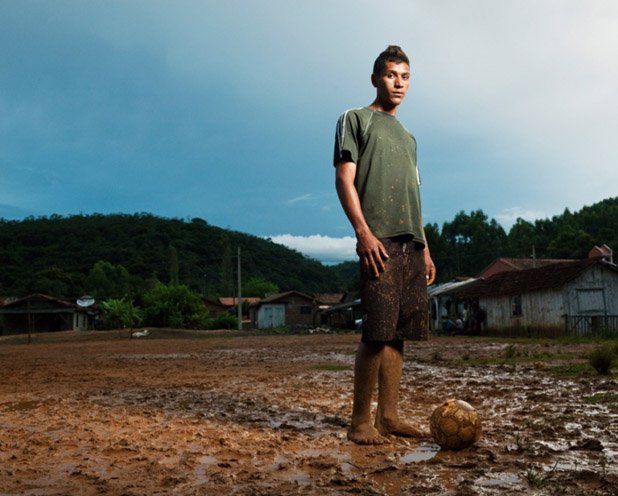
pixel 106 280
pixel 226 285
pixel 570 243
pixel 473 242
pixel 258 286
pixel 174 306
pixel 173 264
pixel 522 239
pixel 119 313
pixel 54 282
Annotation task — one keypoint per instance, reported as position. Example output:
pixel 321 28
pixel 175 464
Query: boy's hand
pixel 372 254
pixel 430 268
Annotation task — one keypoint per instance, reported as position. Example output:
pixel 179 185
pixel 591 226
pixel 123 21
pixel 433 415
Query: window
pixel 305 310
pixel 516 305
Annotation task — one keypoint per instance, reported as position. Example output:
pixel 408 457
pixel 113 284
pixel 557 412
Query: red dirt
pixel 97 413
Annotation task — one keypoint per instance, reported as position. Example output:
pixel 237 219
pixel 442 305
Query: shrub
pixel 119 313
pixel 225 321
pixel 174 306
pixel 601 359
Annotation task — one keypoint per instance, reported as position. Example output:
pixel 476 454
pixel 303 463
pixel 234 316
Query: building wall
pixel 539 310
pixel 299 311
pixel 293 310
pixel 595 292
pixel 270 315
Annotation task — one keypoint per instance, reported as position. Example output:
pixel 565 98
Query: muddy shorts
pixel 395 304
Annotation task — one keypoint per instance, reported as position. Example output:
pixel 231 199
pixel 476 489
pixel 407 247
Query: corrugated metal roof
pixel 515 282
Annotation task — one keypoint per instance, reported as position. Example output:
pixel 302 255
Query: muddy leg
pixel 366 368
pixel 389 377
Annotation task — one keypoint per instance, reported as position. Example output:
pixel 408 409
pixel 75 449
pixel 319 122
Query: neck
pixel 380 107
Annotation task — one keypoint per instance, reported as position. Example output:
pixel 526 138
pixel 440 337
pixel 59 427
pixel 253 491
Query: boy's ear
pixel 374 80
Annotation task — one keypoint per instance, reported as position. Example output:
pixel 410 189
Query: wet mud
pixel 262 415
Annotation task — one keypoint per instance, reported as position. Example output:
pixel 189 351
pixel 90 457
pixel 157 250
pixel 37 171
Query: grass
pixel 539 478
pixel 602 398
pixel 572 369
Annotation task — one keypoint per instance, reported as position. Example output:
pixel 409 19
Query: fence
pixel 587 325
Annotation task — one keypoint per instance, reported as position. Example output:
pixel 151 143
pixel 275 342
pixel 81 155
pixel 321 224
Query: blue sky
pixel 226 110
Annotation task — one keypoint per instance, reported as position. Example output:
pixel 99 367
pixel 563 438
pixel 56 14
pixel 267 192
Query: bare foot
pixel 366 434
pixel 399 428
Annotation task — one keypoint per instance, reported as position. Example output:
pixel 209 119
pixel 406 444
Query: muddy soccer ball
pixel 455 425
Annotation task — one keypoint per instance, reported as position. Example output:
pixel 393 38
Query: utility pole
pixel 533 257
pixel 239 294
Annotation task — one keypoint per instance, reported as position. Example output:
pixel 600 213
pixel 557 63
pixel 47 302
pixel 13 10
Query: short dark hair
pixel 393 53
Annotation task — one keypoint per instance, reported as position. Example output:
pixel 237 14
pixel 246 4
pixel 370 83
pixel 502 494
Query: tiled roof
pixel 550 276
pixel 329 298
pixel 230 301
pixel 519 264
pixel 282 296
pixel 39 297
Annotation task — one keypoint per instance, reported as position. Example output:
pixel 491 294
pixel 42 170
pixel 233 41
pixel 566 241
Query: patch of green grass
pixel 602 398
pixel 571 369
pixel 332 367
pixel 538 478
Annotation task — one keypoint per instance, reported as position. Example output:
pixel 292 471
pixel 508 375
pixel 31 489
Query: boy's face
pixel 392 85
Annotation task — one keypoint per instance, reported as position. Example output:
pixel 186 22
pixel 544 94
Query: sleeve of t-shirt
pixel 346 139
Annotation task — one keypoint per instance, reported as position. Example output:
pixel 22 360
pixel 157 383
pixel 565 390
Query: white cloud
pixel 508 216
pixel 323 248
pixel 301 198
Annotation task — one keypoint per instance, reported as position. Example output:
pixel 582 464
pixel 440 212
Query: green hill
pixel 56 255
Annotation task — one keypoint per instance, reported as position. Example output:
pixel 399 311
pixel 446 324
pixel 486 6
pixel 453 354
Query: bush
pixel 225 321
pixel 602 359
pixel 174 305
pixel 119 313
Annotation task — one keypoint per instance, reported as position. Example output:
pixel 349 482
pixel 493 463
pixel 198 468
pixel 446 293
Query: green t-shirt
pixel 387 177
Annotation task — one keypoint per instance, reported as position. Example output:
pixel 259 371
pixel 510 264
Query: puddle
pixel 420 454
pixel 204 462
pixel 500 479
pixel 20 406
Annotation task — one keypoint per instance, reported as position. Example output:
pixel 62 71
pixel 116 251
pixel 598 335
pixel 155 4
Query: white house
pixel 578 296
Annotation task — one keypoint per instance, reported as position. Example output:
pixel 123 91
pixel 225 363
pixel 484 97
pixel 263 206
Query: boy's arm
pixel 369 248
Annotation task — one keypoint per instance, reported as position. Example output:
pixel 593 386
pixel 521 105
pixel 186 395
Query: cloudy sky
pixel 226 110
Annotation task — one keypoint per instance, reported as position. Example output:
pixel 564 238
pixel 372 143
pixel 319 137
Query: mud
pixel 95 413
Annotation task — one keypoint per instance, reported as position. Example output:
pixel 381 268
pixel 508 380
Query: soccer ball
pixel 455 425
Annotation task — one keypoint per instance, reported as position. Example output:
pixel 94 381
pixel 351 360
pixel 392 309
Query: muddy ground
pixel 97 413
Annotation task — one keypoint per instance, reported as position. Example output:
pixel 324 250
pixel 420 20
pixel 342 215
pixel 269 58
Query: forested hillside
pixel 470 242
pixel 115 254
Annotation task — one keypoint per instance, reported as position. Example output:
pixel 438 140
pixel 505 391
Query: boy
pixel 378 185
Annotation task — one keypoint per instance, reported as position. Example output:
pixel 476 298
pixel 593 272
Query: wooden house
pixel 42 313
pixel 292 309
pixel 578 296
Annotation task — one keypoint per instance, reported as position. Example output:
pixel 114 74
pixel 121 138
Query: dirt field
pixel 97 413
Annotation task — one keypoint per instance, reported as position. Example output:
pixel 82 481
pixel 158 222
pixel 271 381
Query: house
pixel 215 308
pixel 232 301
pixel 292 308
pixel 443 307
pixel 345 315
pixel 327 300
pixel 42 313
pixel 577 296
pixel 510 264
